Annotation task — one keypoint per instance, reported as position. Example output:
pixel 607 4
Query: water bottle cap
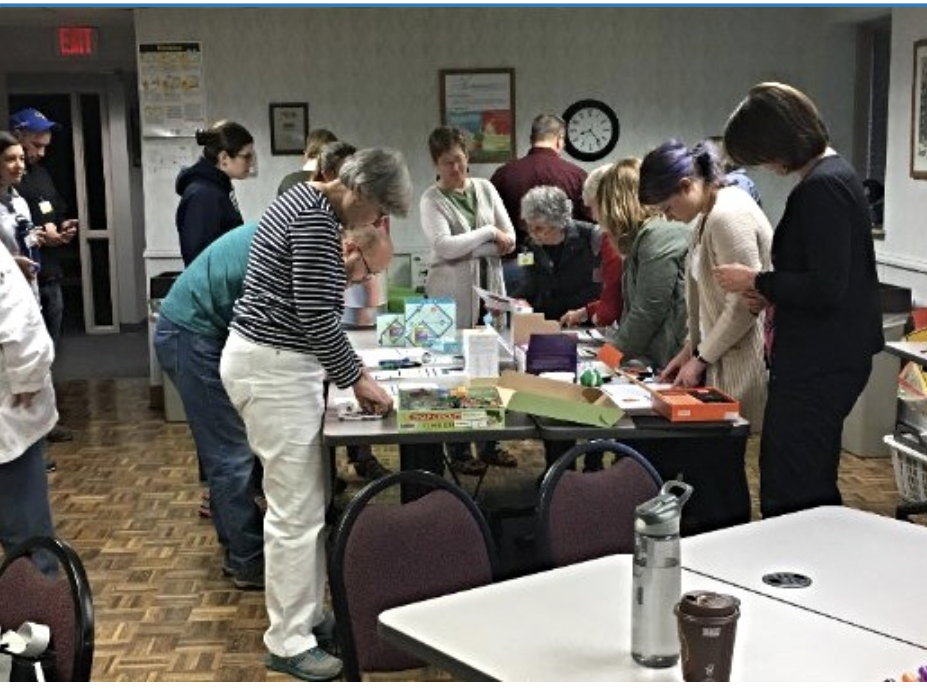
pixel 660 515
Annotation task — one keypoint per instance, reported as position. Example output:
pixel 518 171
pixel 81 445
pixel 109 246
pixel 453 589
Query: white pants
pixel 279 396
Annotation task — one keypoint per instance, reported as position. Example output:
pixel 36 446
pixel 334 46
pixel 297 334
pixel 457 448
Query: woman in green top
pixel 653 320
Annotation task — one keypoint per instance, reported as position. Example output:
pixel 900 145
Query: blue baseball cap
pixel 31 120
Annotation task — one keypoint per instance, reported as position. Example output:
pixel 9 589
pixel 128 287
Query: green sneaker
pixel 313 665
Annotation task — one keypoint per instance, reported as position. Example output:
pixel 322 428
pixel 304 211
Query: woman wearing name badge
pixel 822 289
pixel 566 268
pixel 468 230
pixel 725 345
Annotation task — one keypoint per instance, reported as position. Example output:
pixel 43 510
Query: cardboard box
pixel 698 404
pixel 561 400
pixel 432 407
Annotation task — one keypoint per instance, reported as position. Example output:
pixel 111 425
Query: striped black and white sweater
pixel 294 286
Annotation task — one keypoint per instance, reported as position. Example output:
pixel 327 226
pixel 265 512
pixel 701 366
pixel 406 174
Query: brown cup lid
pixel 708 604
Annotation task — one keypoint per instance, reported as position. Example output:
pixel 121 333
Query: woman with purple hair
pixel 725 344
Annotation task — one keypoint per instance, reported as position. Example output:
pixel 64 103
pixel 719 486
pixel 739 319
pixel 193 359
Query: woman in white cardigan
pixel 467 229
pixel 27 413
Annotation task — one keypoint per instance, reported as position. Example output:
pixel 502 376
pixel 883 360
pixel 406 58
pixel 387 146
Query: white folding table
pixel 865 569
pixel 574 623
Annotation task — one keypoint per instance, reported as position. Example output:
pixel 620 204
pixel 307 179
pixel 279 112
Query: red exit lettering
pixel 76 41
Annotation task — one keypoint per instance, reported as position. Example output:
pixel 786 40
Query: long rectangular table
pixel 708 456
pixel 865 569
pixel 574 623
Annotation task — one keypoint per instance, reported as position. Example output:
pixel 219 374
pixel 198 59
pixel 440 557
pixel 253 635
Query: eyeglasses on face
pixel 368 272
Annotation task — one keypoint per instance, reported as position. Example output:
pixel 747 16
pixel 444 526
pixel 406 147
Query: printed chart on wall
pixel 170 86
pixel 482 101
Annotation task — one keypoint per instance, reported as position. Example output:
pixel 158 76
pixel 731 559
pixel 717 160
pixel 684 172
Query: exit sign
pixel 76 41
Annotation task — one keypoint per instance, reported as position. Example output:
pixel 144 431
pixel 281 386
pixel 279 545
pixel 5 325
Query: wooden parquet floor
pixel 126 496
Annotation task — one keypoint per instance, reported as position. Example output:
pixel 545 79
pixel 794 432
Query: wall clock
pixel 592 129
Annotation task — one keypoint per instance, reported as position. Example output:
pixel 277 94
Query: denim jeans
pixel 25 510
pixel 192 362
pixel 52 308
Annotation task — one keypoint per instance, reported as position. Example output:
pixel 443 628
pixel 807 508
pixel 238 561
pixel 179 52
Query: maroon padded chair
pixel 581 516
pixel 64 604
pixel 391 554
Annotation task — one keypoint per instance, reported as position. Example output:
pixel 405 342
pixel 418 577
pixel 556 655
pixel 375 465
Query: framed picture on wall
pixel 289 125
pixel 482 102
pixel 919 112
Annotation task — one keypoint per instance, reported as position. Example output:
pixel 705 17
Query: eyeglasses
pixel 247 156
pixel 368 271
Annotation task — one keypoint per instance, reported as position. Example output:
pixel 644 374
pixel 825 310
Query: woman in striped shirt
pixel 286 339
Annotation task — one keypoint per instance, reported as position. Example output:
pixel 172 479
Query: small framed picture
pixel 289 125
pixel 919 112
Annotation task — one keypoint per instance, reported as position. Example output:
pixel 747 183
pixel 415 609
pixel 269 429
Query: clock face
pixel 592 129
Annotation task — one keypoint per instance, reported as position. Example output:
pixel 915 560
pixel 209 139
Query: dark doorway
pixel 59 162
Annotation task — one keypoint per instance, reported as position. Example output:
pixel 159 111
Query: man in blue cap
pixel 48 208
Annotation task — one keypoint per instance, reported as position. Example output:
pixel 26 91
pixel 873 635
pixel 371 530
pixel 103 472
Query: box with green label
pixel 463 407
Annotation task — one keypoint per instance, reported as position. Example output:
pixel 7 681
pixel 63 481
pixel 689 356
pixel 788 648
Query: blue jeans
pixel 52 308
pixel 192 362
pixel 25 511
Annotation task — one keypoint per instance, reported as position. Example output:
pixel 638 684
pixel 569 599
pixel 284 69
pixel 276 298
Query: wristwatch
pixel 698 357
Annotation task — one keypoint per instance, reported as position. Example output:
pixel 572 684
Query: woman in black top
pixel 823 315
pixel 208 207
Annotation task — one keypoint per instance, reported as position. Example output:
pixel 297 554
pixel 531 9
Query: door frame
pixel 111 90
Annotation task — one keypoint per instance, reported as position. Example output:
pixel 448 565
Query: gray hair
pixel 546 127
pixel 591 186
pixel 381 176
pixel 547 205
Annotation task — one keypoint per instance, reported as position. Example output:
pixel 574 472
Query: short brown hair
pixel 443 139
pixel 776 123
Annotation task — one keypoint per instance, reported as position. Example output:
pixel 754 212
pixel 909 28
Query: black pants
pixel 801 441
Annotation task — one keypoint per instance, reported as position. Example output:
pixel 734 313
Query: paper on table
pixel 631 397
pixel 494 301
pixel 345 403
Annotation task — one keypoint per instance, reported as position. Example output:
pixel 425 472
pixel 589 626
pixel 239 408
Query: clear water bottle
pixel 657 584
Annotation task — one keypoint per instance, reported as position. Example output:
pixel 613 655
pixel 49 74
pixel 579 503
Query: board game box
pixel 432 407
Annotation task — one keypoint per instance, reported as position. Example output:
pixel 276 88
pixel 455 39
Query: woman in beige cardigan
pixel 725 344
pixel 467 229
pixel 466 226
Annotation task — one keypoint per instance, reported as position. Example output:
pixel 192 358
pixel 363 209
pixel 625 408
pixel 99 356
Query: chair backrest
pixel 389 554
pixel 64 604
pixel 582 516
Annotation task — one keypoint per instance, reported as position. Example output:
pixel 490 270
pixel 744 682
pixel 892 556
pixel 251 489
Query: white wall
pixel 371 75
pixel 903 253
